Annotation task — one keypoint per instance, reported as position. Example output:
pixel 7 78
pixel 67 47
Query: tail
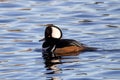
pixel 91 49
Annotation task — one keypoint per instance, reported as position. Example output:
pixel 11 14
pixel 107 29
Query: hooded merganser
pixel 54 44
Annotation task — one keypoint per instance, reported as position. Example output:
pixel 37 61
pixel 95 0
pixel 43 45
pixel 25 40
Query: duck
pixel 55 44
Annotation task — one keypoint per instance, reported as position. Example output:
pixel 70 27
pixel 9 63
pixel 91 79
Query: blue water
pixel 95 23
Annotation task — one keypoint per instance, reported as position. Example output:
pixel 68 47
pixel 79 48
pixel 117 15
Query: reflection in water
pixel 51 65
pixel 59 67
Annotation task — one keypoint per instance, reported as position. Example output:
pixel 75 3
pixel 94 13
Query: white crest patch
pixel 56 33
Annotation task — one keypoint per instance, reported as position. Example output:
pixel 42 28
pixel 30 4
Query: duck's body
pixel 68 46
pixel 53 42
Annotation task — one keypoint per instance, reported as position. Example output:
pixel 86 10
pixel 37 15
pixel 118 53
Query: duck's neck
pixel 51 44
pixel 51 41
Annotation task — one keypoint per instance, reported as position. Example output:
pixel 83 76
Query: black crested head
pixel 52 32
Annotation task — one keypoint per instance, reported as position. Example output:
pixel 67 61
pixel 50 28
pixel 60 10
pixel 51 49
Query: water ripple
pixel 92 22
pixel 9 5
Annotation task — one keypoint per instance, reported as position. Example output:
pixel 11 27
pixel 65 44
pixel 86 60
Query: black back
pixel 68 42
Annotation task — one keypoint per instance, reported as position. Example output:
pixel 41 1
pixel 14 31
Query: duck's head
pixel 52 32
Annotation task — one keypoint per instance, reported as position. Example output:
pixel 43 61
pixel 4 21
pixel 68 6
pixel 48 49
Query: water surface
pixel 95 23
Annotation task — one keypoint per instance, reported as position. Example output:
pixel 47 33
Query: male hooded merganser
pixel 55 45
